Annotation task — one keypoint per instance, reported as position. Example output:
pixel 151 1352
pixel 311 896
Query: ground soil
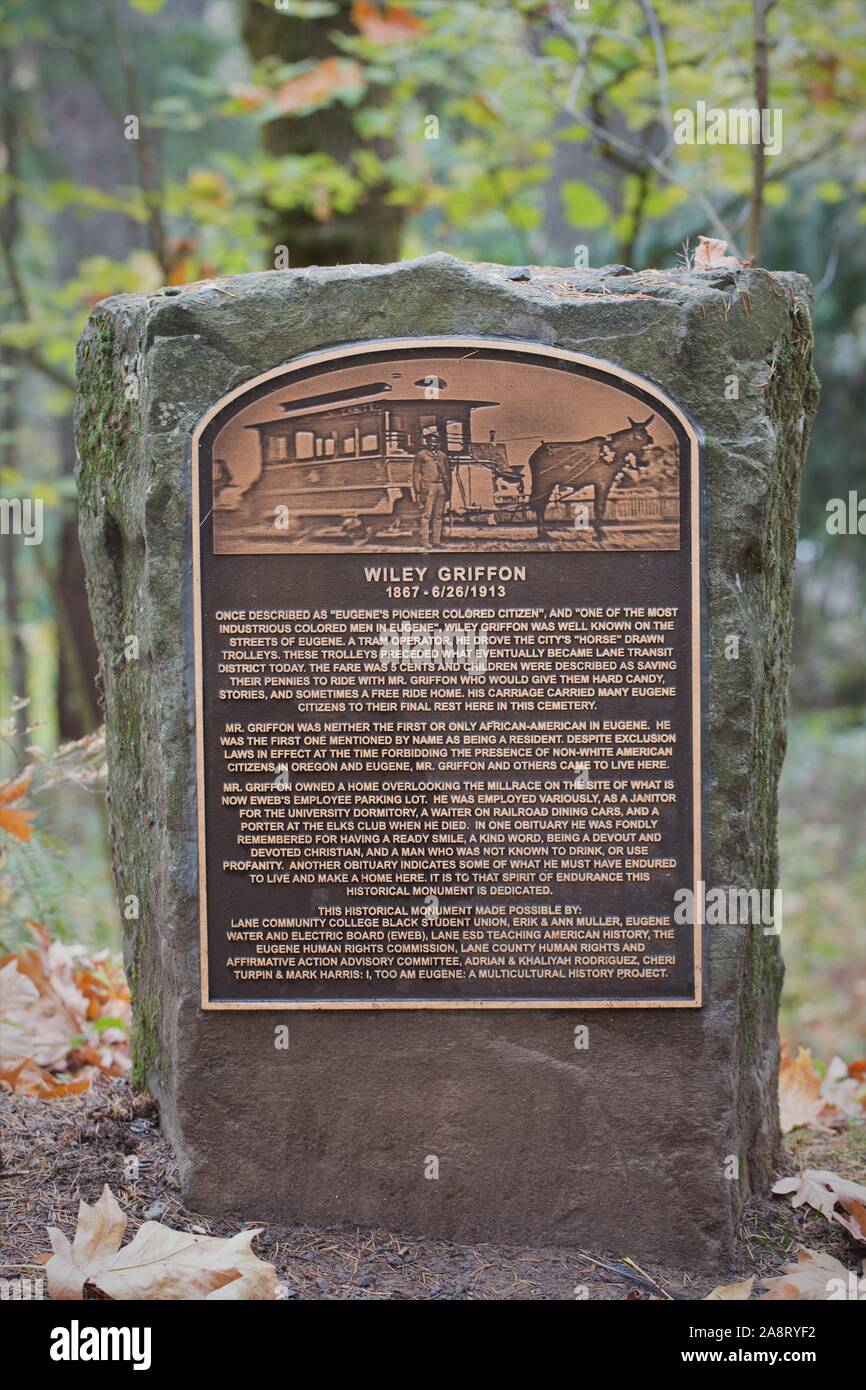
pixel 55 1153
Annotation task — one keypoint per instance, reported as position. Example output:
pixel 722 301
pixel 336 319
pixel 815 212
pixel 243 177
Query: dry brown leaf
pixel 810 1278
pixel 710 255
pixel 34 1026
pixel 314 87
pixel 13 819
pixel 823 1190
pixel 843 1091
pixel 728 1293
pixel 394 24
pixel 800 1099
pixel 158 1263
pixel 29 1079
pixel 807 1192
pixel 855 1221
pixel 842 1187
pixel 57 1007
pixel 851 1197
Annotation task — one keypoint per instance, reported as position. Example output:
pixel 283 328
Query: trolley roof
pixel 334 405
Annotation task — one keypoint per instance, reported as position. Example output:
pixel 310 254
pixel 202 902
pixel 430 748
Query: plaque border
pixel 603 367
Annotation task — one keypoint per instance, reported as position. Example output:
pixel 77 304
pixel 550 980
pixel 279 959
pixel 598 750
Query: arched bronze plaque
pixel 447 603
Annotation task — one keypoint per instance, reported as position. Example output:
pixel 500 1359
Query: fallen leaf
pixel 318 84
pixel 807 1192
pixel 809 1278
pixel 158 1263
pixel 13 819
pixel 728 1293
pixel 29 1079
pixel 842 1090
pixel 823 1190
pixel 800 1099
pixel 394 24
pixel 843 1187
pixel 855 1221
pixel 851 1197
pixel 710 255
pixel 35 1026
pixel 61 1009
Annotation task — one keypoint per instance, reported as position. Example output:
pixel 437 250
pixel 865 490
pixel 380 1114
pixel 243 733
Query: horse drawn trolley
pixel 341 465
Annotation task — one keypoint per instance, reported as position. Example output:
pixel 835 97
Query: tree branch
pixel 636 155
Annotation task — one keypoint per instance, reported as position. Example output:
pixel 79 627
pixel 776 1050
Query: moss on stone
pixel 104 415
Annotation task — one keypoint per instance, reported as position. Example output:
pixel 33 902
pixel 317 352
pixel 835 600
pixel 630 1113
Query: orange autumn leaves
pixel 64 1017
pixel 393 24
pixel 15 820
pixel 333 76
pixel 828 1101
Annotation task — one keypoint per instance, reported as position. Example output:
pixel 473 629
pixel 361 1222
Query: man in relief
pixel 431 481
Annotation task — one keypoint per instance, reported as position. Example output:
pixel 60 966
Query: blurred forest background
pixel 145 142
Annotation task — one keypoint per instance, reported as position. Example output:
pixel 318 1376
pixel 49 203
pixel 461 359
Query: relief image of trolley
pixel 336 470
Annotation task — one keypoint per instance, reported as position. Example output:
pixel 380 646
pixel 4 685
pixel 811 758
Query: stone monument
pixel 444 622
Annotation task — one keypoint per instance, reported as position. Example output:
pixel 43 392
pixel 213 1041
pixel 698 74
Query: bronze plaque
pixel 448 637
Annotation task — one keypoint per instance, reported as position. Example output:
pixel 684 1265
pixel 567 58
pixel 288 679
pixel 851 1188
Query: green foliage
pixel 584 207
pixel 500 130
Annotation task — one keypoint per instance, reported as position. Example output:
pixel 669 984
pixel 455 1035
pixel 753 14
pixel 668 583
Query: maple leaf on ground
pixel 318 85
pixel 710 255
pixel 807 1192
pixel 158 1263
pixel 394 24
pixel 823 1190
pixel 810 1277
pixel 729 1293
pixel 13 819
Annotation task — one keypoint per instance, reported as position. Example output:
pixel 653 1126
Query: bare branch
pixel 637 156
pixel 662 66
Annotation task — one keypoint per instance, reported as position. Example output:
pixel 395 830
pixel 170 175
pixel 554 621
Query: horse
pixel 597 463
